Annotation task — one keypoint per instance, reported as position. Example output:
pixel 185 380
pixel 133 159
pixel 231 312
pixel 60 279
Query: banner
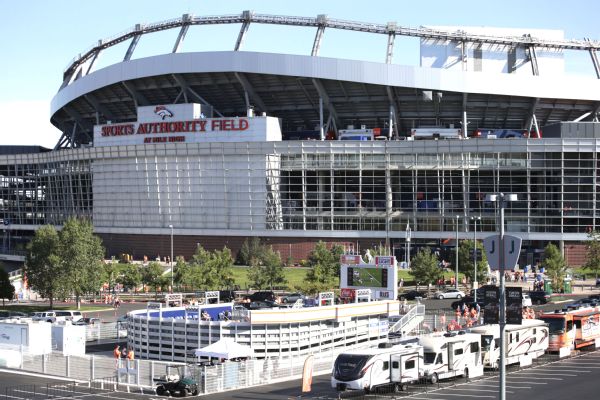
pixel 491 296
pixel 514 305
pixel 307 374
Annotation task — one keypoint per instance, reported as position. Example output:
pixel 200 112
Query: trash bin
pixel 548 287
pixel 568 288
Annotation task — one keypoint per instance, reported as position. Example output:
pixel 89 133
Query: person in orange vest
pixel 130 354
pixel 117 355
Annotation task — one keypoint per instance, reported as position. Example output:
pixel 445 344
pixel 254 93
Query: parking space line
pixel 529 383
pixel 478 390
pixel 459 395
pixel 563 369
pixel 543 373
pixel 528 377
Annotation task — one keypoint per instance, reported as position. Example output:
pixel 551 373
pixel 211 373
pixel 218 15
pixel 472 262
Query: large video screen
pixel 367 277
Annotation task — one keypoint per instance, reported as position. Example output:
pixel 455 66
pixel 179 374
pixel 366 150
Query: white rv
pixel 386 365
pixel 524 342
pixel 451 354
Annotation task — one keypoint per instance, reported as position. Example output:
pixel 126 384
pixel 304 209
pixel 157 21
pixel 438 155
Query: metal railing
pixel 413 312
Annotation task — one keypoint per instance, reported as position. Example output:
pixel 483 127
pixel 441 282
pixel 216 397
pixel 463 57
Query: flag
pixel 307 374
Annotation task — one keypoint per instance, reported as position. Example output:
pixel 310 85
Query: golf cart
pixel 177 381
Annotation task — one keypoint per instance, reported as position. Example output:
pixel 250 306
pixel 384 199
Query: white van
pixel 68 315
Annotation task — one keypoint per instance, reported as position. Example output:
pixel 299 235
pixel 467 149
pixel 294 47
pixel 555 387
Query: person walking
pixel 117 355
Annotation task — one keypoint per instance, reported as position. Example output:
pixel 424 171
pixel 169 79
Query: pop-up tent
pixel 226 348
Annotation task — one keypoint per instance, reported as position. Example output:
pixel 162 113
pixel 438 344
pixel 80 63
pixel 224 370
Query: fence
pixel 107 373
pixel 105 331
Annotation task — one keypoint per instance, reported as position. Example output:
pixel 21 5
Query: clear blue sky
pixel 41 37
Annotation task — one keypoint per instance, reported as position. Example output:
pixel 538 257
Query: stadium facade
pixel 189 145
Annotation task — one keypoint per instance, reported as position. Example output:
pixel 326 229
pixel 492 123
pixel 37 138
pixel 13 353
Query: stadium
pixel 211 148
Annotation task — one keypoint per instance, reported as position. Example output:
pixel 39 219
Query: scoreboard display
pixel 381 276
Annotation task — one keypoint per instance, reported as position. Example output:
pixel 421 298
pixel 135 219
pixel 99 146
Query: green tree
pixel 425 266
pixel 152 276
pixel 130 276
pixel 7 290
pixel 181 271
pixel 110 273
pixel 266 271
pixel 465 261
pixel 249 250
pixel 324 267
pixel 221 263
pixel 555 265
pixel 82 257
pixel 593 253
pixel 43 268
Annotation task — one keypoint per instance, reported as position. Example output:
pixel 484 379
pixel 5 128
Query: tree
pixel 555 265
pixel 152 276
pixel 425 266
pixel 267 270
pixel 130 276
pixel 82 256
pixel 465 260
pixel 110 273
pixel 593 253
pixel 250 250
pixel 181 272
pixel 43 267
pixel 221 263
pixel 324 267
pixel 7 290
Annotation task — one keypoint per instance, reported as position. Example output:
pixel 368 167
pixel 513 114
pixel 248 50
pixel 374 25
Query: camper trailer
pixel 524 342
pixel 451 354
pixel 386 365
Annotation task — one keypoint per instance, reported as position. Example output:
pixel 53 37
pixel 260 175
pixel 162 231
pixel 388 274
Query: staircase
pixel 405 324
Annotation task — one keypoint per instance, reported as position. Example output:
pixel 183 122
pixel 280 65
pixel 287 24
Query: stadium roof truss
pixel 298 100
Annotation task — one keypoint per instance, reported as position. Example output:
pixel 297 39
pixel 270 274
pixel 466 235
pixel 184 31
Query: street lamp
pixel 475 219
pixel 408 237
pixel 501 200
pixel 456 259
pixel 171 260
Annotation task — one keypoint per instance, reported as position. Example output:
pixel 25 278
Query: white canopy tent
pixel 226 348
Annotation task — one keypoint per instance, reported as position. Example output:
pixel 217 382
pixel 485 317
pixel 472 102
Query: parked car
pixel 68 315
pixel 5 314
pixel 263 295
pixel 449 294
pixel 226 296
pixel 539 297
pixel 293 297
pixel 48 316
pixel 412 294
pixel 87 321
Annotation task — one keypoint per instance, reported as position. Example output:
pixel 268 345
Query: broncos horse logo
pixel 163 112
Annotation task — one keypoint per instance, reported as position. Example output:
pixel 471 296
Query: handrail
pixel 414 311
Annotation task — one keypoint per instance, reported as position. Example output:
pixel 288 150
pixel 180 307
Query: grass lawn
pixel 293 275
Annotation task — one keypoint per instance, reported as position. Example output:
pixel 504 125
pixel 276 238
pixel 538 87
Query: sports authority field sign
pixel 178 123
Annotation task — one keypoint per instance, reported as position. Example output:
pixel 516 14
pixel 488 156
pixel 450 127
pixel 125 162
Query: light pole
pixel 501 200
pixel 456 259
pixel 408 237
pixel 475 219
pixel 171 260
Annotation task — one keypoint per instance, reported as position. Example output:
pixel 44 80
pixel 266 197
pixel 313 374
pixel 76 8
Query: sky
pixel 41 38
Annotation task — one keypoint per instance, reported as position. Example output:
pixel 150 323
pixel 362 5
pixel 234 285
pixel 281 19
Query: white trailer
pixel 451 354
pixel 386 365
pixel 524 342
